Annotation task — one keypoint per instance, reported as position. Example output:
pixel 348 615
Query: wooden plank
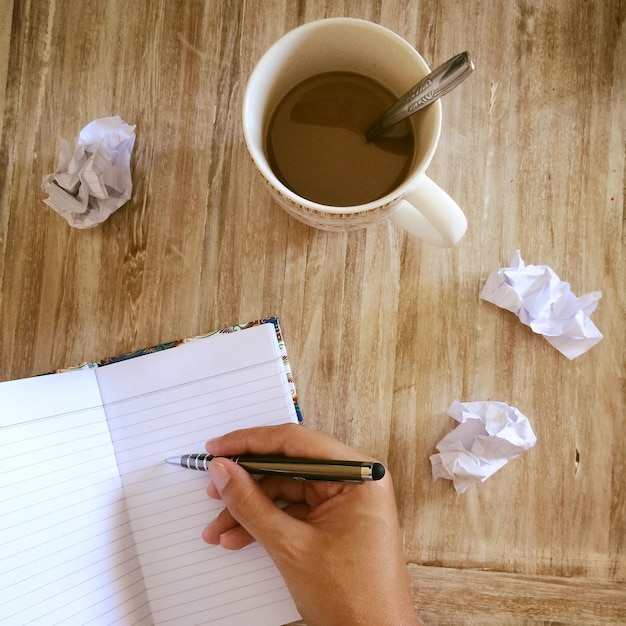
pixel 453 596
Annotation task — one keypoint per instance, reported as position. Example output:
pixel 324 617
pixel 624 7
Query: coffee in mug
pixel 316 142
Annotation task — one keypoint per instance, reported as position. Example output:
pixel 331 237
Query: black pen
pixel 303 469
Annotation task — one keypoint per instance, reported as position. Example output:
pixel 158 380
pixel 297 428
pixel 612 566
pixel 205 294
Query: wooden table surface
pixel 383 332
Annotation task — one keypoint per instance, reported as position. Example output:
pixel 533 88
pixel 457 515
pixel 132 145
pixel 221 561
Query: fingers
pixel 292 491
pixel 292 440
pixel 248 505
pixel 224 530
pixel 221 524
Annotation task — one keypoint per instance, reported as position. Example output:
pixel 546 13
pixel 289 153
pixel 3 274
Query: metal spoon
pixel 438 83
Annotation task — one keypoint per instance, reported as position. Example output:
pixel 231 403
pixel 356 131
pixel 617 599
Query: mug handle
pixel 430 214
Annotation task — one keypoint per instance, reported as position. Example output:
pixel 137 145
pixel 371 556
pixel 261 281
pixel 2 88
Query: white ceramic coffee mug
pixel 351 45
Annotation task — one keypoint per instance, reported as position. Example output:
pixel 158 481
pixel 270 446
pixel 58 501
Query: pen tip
pixel 173 460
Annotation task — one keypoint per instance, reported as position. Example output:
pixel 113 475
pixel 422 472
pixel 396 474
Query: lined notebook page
pixel 168 404
pixel 66 548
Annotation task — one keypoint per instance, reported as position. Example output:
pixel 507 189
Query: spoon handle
pixel 438 83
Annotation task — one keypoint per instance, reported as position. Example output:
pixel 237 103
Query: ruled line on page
pixel 189 579
pixel 185 384
pixel 218 418
pixel 235 388
pixel 270 582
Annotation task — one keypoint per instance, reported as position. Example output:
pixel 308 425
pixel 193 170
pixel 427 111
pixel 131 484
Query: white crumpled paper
pixel 488 436
pixel 92 180
pixel 545 303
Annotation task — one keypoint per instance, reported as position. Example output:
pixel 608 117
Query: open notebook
pixel 95 528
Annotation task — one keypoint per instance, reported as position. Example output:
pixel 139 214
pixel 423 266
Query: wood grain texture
pixel 383 332
pixel 500 599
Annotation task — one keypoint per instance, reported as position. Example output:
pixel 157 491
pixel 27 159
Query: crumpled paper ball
pixel 93 179
pixel 488 436
pixel 545 303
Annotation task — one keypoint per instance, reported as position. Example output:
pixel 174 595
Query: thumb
pixel 246 501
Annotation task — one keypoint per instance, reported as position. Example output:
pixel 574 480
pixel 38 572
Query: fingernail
pixel 219 474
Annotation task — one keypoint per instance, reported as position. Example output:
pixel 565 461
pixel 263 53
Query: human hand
pixel 337 545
